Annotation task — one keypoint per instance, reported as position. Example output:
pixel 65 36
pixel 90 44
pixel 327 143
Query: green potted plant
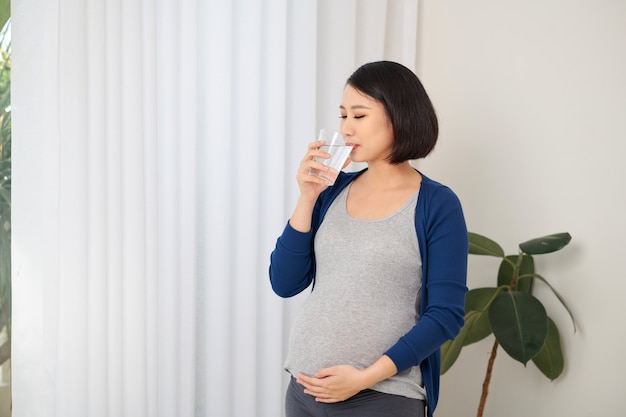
pixel 5 187
pixel 517 319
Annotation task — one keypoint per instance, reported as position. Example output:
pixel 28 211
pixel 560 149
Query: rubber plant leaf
pixel 545 244
pixel 526 267
pixel 556 294
pixel 452 348
pixel 549 360
pixel 448 357
pixel 481 245
pixel 519 323
pixel 477 301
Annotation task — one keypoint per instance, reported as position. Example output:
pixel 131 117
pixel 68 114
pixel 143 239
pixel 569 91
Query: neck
pixel 382 175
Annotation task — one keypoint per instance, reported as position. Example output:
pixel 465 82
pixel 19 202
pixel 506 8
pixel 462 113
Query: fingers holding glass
pixel 332 156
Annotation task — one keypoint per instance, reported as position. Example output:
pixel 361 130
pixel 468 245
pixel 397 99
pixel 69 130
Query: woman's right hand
pixel 310 185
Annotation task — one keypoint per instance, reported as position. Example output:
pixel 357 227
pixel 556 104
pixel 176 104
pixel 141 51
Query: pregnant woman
pixel 385 253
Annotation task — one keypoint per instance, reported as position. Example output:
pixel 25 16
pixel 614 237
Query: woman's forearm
pixel 301 218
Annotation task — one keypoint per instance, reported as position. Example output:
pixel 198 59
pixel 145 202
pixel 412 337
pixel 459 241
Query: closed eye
pixel 356 117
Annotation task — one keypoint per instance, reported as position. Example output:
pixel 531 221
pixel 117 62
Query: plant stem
pixel 483 397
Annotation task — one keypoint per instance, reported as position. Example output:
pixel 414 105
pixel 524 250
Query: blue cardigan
pixel 443 244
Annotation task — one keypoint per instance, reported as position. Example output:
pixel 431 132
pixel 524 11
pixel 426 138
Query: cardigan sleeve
pixel 444 234
pixel 292 263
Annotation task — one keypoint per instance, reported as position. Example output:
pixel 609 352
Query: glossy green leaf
pixel 519 323
pixel 481 245
pixel 477 302
pixel 480 298
pixel 549 360
pixel 506 272
pixel 556 294
pixel 545 244
pixel 451 349
pixel 448 357
pixel 475 328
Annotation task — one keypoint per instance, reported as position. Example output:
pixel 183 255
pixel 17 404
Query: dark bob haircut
pixel 412 115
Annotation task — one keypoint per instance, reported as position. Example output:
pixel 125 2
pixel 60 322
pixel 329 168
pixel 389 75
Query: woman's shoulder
pixel 438 204
pixel 435 193
pixel 433 186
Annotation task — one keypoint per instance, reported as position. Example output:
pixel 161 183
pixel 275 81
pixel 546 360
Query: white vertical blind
pixel 154 157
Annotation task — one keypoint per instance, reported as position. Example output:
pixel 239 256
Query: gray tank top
pixel 366 295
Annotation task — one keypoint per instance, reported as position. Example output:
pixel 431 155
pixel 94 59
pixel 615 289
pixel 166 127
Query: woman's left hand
pixel 334 384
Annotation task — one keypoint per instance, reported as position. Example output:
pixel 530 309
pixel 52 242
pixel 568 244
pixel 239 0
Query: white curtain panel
pixel 155 145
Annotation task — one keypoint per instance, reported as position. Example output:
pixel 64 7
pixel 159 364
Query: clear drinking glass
pixel 339 152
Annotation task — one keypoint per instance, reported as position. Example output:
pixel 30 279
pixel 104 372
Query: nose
pixel 346 128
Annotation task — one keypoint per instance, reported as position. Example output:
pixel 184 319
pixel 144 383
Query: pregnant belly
pixel 324 335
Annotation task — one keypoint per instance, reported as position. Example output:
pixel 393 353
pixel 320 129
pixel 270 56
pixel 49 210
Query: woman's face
pixel 365 125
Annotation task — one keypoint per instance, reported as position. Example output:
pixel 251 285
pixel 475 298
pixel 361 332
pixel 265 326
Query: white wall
pixel 531 97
